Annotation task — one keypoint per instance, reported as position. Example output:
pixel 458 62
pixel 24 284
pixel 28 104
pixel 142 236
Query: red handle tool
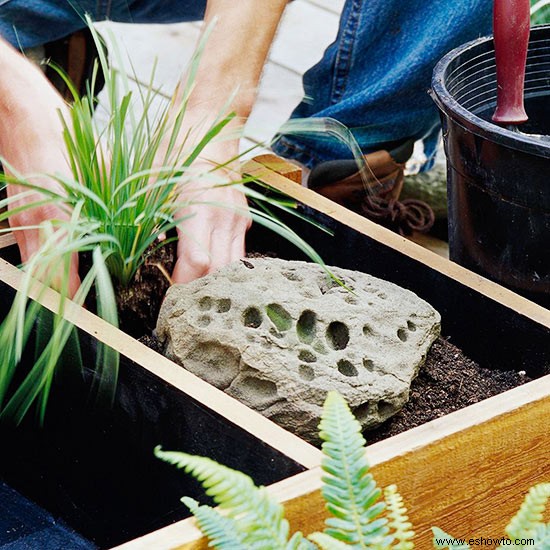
pixel 511 21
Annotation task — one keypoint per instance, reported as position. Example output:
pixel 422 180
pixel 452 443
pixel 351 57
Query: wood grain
pixel 466 473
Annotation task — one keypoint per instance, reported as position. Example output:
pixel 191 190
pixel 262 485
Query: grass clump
pixel 121 199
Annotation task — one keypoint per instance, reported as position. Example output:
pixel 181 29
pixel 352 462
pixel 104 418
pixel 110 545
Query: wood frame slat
pixel 466 473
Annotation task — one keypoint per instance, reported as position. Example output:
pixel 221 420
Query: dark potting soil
pixel 447 382
pixel 139 304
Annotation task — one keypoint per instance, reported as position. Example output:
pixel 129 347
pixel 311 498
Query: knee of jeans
pixel 156 11
pixel 26 24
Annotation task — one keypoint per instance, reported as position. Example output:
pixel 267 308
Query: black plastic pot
pixel 498 180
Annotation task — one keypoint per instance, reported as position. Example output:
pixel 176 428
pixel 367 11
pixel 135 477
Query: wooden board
pixel 473 464
pixel 160 366
pixel 466 473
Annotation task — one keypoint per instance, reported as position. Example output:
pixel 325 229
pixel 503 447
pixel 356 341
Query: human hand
pixel 31 142
pixel 216 218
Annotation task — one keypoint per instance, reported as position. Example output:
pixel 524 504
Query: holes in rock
pixel 279 316
pixel 319 347
pixel 385 409
pixel 204 320
pixel 291 276
pixel 337 335
pixel 205 303
pixel 351 300
pixel 306 373
pixel 364 413
pixel 223 305
pixel 402 335
pixel 217 364
pixel 329 284
pixel 274 332
pixel 368 364
pixel 306 327
pixel 346 368
pixel 252 317
pixel 411 326
pixel 382 296
pixel 259 387
pixel 367 330
pixel 307 356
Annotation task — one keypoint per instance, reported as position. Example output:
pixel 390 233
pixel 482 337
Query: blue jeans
pixel 374 78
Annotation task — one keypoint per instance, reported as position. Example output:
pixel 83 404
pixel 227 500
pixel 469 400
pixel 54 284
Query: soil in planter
pixel 447 382
pixel 139 304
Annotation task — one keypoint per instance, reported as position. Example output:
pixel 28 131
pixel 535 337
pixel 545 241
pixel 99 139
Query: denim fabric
pixel 375 77
pixel 27 23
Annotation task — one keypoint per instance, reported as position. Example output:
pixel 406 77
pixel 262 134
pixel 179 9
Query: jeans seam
pixel 344 54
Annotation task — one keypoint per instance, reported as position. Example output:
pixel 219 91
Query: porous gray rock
pixel 278 335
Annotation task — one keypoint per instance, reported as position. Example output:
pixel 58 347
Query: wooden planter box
pixel 94 467
pixel 465 472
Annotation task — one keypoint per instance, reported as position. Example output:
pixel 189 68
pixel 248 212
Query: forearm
pixel 29 110
pixel 235 53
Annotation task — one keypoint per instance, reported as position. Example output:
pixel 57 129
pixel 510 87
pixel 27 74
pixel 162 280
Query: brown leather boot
pixel 75 54
pixel 373 189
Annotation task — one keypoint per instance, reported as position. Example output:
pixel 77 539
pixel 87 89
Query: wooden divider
pixel 398 243
pixel 466 473
pixel 218 401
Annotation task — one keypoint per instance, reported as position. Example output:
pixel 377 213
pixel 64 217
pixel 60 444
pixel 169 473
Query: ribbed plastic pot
pixel 498 180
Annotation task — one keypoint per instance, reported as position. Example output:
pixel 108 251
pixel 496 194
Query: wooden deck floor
pixel 307 28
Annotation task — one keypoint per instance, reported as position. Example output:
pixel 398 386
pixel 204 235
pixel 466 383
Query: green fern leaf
pixel 400 527
pixel 222 532
pixel 530 514
pixel 348 489
pixel 440 535
pixel 298 542
pixel 326 542
pixel 260 519
pixel 541 536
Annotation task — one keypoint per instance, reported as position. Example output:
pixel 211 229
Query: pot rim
pixel 448 105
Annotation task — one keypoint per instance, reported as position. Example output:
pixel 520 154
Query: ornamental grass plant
pixel 121 202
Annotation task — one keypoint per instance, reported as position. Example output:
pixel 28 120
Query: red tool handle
pixel 511 21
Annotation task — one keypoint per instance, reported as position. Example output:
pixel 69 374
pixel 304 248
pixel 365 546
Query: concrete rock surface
pixel 278 335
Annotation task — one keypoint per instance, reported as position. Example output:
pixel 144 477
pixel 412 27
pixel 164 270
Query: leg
pixel 374 78
pixel 28 23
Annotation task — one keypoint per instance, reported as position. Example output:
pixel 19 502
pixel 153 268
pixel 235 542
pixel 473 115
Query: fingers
pixel 211 238
pixel 29 243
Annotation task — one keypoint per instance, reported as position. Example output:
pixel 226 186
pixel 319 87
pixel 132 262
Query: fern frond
pixel 399 524
pixel 222 532
pixel 260 519
pixel 541 536
pixel 326 542
pixel 530 514
pixel 348 489
pixel 440 536
pixel 298 542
